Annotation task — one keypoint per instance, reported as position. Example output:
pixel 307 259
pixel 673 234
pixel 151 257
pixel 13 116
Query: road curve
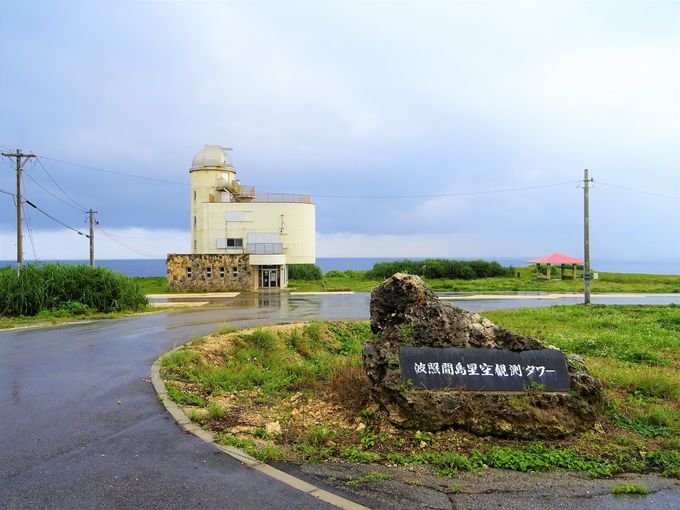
pixel 81 426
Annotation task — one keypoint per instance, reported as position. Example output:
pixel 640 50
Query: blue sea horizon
pixel 156 267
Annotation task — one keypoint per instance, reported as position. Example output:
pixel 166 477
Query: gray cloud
pixel 359 99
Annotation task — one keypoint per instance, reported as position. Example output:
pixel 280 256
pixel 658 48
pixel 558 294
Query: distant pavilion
pixel 555 259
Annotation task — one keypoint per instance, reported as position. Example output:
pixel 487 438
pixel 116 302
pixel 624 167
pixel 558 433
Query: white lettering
pixel 501 371
pixel 486 369
pixel 433 368
pixel 516 370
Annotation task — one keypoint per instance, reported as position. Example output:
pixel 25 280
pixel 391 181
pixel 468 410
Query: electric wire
pixel 115 172
pixel 142 236
pixel 27 221
pixel 322 195
pixel 81 206
pixel 123 245
pixel 54 195
pixel 653 193
pixel 445 195
pixel 55 219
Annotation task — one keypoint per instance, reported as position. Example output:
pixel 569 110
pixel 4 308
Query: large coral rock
pixel 405 312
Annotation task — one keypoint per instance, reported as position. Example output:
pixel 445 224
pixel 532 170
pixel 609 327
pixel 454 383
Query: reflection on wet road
pixel 275 307
pixel 82 427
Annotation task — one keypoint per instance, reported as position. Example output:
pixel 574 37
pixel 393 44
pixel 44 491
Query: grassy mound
pixel 71 289
pixel 299 393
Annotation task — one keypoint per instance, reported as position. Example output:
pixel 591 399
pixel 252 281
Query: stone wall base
pixel 210 272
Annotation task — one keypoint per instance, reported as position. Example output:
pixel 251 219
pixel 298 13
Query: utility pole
pixel 91 213
pixel 20 248
pixel 586 239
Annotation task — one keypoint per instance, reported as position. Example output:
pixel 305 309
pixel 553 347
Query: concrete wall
pixel 294 223
pixel 177 265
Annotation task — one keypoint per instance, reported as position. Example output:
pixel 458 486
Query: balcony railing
pixel 265 248
pixel 282 197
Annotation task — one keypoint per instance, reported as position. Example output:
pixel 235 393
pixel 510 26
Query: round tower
pixel 213 179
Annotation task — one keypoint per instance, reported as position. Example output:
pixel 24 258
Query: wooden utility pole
pixel 91 236
pixel 20 238
pixel 586 239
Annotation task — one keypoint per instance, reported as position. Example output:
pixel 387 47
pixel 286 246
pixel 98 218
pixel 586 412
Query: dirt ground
pixel 415 487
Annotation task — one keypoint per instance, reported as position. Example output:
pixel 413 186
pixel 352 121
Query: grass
pixel 371 476
pixel 358 281
pixel 309 379
pixel 70 289
pixel 641 335
pixel 152 284
pixel 629 489
pixel 60 316
pixel 607 282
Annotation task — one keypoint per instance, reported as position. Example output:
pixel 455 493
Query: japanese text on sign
pixel 483 369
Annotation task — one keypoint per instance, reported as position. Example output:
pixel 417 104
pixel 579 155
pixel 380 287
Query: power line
pixel 55 219
pixel 115 172
pixel 27 220
pixel 444 195
pixel 113 238
pixel 321 195
pixel 54 195
pixel 82 207
pixel 7 193
pixel 672 197
pixel 142 236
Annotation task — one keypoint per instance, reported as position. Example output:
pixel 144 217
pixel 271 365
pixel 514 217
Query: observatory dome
pixel 211 156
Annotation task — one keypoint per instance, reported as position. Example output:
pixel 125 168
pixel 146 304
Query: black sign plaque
pixel 473 369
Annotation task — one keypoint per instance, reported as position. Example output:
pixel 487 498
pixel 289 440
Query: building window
pixel 208 273
pixel 194 221
pixel 194 244
pixel 188 272
pixel 194 195
pixel 230 242
pixel 222 273
pixel 234 272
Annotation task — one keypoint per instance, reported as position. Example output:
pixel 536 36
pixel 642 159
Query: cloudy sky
pixel 402 100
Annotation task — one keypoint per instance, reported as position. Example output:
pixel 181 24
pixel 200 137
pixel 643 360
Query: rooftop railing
pixel 282 197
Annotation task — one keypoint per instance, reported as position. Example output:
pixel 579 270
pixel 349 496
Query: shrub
pixel 74 288
pixel 440 268
pixel 308 272
pixel 350 387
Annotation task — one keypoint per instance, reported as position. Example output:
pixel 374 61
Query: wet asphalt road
pixel 80 425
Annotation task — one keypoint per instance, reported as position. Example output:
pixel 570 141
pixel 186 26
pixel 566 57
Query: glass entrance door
pixel 269 277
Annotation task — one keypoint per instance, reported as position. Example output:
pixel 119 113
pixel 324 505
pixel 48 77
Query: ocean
pixel 156 267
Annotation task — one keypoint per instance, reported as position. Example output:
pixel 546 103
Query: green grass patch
pixel 636 334
pixel 666 461
pixel 371 476
pixel 180 397
pixel 152 284
pixel 607 282
pixel 629 489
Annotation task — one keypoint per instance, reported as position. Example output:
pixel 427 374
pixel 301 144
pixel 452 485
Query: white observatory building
pixel 240 239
